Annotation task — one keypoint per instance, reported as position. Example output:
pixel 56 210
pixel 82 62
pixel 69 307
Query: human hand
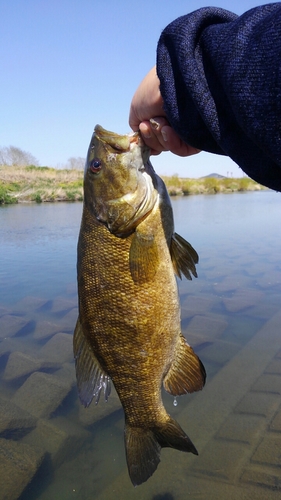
pixel 148 116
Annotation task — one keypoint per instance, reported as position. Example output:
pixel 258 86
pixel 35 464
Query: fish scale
pixel 128 330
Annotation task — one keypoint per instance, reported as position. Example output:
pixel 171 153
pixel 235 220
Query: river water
pixel 52 448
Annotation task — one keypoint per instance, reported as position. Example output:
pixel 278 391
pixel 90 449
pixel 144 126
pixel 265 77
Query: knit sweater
pixel 220 79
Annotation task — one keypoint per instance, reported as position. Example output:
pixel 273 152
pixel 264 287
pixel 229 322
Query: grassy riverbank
pixel 209 185
pixel 39 184
pixel 43 184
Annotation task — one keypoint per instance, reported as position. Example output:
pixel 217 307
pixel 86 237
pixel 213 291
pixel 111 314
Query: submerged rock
pixel 10 325
pixel 58 349
pixel 205 328
pixel 18 464
pixel 31 304
pixel 4 310
pixel 60 304
pixel 242 298
pixel 68 321
pixel 41 394
pixel 59 437
pixel 14 421
pixel 20 364
pixel 45 329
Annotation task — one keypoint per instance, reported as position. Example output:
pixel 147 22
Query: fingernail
pixel 154 124
pixel 164 135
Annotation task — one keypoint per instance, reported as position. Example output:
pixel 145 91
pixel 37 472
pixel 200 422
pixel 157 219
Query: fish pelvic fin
pixel 186 373
pixel 143 258
pixel 91 378
pixel 143 447
pixel 184 257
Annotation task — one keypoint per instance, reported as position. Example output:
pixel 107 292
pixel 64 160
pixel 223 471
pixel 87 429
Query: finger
pixel 175 144
pixel 168 139
pixel 133 119
pixel 151 139
pixel 160 136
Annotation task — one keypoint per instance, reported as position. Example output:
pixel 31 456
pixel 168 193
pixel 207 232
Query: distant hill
pixel 215 176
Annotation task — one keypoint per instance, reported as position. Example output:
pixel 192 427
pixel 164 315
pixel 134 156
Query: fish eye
pixel 95 165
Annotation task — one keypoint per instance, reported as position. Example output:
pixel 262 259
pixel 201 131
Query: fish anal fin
pixel 186 373
pixel 184 257
pixel 91 378
pixel 143 447
pixel 143 258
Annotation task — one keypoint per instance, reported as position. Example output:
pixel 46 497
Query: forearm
pixel 221 85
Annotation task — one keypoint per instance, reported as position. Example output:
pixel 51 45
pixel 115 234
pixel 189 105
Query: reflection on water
pixel 53 448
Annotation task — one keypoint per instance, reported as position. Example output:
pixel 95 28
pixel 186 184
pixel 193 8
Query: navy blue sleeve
pixel 220 79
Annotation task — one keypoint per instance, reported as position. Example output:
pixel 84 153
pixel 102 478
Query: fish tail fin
pixel 143 447
pixel 170 434
pixel 142 453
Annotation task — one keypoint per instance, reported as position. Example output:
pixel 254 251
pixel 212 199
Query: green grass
pixel 7 191
pixel 36 197
pixel 5 197
pixel 244 184
pixel 39 169
pixel 42 184
pixel 209 185
pixel 71 185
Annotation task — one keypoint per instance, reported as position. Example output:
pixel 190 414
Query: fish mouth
pixel 121 143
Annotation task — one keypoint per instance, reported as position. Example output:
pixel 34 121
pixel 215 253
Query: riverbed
pixel 231 315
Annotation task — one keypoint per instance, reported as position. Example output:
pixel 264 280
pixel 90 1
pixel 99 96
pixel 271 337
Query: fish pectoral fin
pixel 143 446
pixel 184 257
pixel 143 258
pixel 91 378
pixel 186 373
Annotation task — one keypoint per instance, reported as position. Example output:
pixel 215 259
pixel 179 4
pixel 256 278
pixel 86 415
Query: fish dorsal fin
pixel 183 256
pixel 186 373
pixel 91 378
pixel 143 257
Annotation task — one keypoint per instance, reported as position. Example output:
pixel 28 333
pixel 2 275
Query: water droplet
pixel 175 403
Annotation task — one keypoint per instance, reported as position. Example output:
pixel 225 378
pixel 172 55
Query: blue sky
pixel 67 65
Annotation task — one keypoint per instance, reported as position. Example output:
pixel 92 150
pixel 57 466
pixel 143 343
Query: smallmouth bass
pixel 128 329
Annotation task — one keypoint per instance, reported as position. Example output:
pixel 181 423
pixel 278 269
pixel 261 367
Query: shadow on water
pixel 68 406
pixel 27 329
pixel 40 481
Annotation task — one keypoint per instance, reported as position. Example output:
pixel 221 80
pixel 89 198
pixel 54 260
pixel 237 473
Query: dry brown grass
pixel 25 184
pixel 42 184
pixel 209 185
pixel 33 174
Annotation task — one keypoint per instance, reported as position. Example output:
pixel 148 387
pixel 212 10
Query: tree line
pixel 15 156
